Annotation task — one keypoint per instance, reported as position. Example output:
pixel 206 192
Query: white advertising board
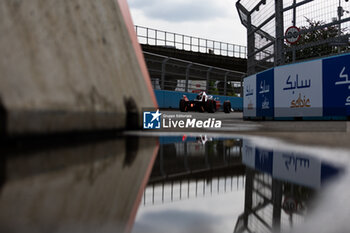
pixel 248 153
pixel 297 168
pixel 249 96
pixel 298 90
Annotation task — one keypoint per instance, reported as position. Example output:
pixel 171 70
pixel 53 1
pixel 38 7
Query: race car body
pixel 202 103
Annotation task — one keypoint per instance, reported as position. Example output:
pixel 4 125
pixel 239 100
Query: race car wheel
pixel 227 106
pixel 200 107
pixel 211 106
pixel 214 106
pixel 183 106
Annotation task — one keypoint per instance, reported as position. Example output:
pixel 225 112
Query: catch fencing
pixel 281 32
pixel 184 76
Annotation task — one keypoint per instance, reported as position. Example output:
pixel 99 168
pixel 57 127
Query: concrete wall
pixel 171 99
pixel 69 65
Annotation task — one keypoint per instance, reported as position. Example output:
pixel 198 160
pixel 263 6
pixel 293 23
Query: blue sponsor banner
pixel 164 140
pixel 336 86
pixel 296 168
pixel 265 93
pixel 319 88
pixel 263 160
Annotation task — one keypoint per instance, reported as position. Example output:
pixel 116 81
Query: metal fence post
pixel 279 58
pixel 183 42
pixel 156 36
pixel 190 43
pixel 225 84
pixel 147 36
pixel 242 85
pixel 277 204
pixel 340 13
pixel 294 23
pixel 208 78
pixel 248 195
pixel 199 44
pixel 251 47
pixel 187 76
pixel 163 72
pixel 227 49
pixel 206 46
pixel 220 48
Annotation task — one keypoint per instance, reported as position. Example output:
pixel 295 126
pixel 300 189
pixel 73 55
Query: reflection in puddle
pixel 250 189
pixel 186 168
pixel 279 188
pixel 90 187
pixel 197 184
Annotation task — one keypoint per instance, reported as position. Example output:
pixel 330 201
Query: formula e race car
pixel 202 103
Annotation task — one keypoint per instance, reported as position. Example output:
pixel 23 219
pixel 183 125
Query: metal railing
pixel 179 75
pixel 156 37
pixel 190 189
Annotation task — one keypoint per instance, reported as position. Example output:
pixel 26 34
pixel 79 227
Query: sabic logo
pixel 151 120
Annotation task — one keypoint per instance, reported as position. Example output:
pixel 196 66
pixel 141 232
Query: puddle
pixel 79 187
pixel 218 184
pixel 177 183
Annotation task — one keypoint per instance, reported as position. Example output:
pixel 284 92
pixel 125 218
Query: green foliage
pixel 219 90
pixel 316 35
pixel 212 89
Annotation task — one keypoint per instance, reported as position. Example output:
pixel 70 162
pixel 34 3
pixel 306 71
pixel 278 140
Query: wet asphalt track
pixel 317 133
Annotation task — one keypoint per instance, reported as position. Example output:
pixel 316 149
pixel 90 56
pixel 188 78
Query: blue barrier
pixel 171 99
pixel 317 89
pixel 290 166
pixel 165 140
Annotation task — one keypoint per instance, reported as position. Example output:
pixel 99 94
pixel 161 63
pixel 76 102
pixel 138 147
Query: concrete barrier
pixel 171 99
pixel 70 66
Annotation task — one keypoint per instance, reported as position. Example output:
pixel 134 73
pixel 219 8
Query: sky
pixel 215 213
pixel 209 19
